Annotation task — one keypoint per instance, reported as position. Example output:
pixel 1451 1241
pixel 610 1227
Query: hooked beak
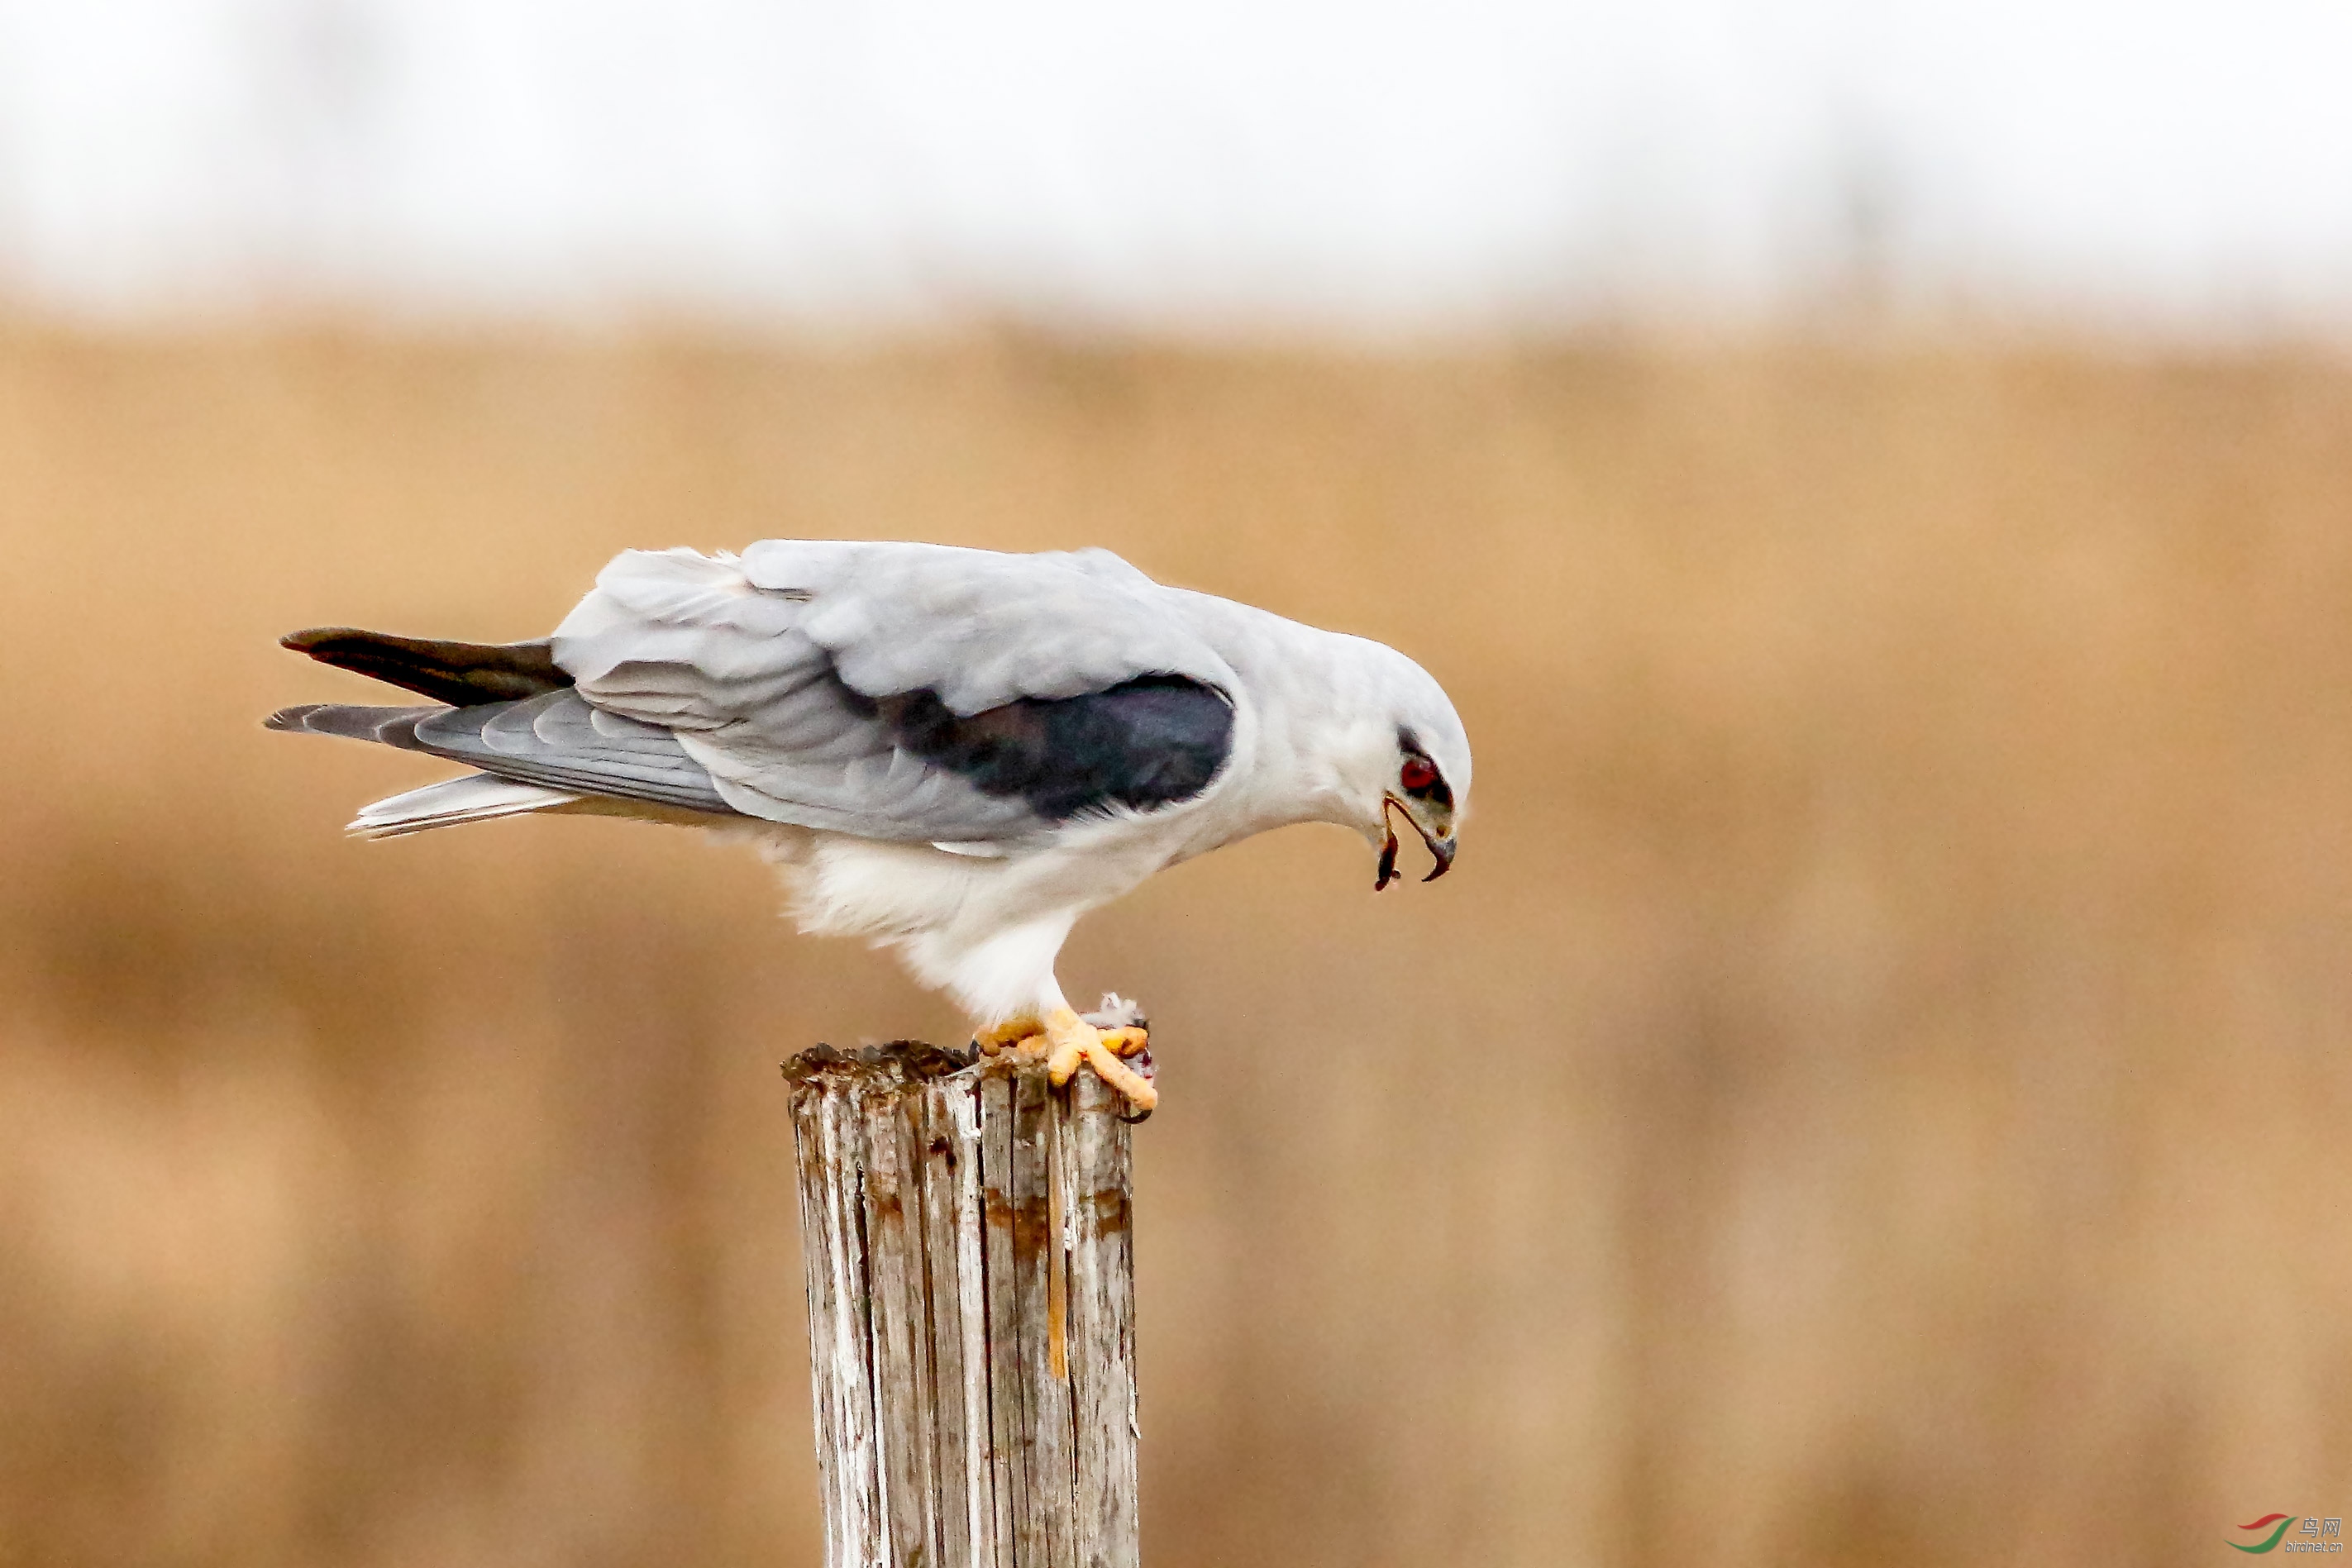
pixel 1440 846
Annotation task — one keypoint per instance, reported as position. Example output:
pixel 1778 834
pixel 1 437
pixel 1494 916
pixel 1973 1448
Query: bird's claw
pixel 1070 1040
pixel 1123 1017
pixel 1066 1040
pixel 1010 1035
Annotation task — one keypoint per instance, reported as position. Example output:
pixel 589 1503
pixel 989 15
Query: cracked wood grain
pixel 967 1232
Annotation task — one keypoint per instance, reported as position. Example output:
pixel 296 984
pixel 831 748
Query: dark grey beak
pixel 1440 851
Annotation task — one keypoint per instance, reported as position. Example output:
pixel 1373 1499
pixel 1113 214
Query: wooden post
pixel 972 1310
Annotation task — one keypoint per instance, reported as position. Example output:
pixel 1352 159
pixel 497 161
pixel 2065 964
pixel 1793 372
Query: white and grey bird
pixel 953 752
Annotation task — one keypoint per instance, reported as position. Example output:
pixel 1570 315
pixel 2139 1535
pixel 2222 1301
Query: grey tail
pixel 386 726
pixel 463 674
pixel 476 797
pixel 555 740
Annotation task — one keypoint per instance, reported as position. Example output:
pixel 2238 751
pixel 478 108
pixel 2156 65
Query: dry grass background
pixel 1875 1089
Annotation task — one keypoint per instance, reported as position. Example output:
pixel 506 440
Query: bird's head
pixel 1407 756
pixel 1423 794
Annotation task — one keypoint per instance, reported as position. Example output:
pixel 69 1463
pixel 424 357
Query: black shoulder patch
pixel 1151 741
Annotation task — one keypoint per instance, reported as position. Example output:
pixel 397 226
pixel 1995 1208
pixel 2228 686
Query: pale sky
pixel 1217 165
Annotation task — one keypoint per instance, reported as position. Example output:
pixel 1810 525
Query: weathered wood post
pixel 972 1296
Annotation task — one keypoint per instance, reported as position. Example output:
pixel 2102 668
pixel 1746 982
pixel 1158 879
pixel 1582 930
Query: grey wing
pixel 978 628
pixel 558 739
pixel 786 674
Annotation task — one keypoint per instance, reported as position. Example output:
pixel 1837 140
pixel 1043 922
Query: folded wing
pixel 904 691
pixel 891 691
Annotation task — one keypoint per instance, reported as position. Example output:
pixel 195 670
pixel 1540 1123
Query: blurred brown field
pixel 1873 1091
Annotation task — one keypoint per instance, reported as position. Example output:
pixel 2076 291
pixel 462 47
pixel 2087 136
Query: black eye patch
pixel 1418 776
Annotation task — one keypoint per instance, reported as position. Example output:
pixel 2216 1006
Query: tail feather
pixel 386 726
pixel 459 673
pixel 510 709
pixel 476 797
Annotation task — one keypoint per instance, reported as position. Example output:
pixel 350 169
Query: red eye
pixel 1418 773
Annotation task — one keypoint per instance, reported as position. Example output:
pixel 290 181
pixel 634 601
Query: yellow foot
pixel 1071 1040
pixel 1008 1035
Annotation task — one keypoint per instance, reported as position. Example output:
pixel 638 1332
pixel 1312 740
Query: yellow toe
pixel 1006 1035
pixel 1072 1039
pixel 1063 1059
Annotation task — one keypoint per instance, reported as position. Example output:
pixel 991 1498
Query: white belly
pixel 984 930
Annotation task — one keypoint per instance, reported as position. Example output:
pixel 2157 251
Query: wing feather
pixel 893 691
pixel 557 741
pixel 976 628
pixel 778 670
